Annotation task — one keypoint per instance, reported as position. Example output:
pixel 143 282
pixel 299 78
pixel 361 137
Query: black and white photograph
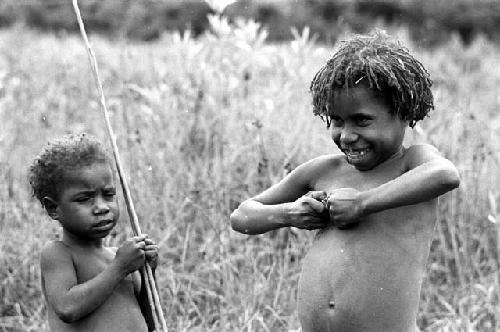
pixel 249 165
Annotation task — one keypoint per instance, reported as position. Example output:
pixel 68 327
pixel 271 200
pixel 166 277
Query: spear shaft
pixel 151 289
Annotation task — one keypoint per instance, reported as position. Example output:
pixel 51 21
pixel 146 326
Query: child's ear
pixel 50 205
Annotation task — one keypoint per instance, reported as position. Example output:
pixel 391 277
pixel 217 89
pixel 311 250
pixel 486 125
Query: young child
pixel 375 205
pixel 88 286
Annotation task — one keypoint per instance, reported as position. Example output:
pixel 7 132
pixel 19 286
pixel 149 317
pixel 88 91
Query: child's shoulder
pixel 421 153
pixel 323 162
pixel 55 252
pixel 310 171
pixel 326 160
pixel 54 248
pixel 421 148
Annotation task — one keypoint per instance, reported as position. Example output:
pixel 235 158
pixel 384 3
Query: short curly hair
pixel 385 66
pixel 61 155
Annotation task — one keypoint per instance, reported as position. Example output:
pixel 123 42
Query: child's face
pixel 87 206
pixel 364 129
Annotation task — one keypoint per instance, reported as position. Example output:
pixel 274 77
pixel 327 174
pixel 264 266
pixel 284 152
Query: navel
pixel 331 304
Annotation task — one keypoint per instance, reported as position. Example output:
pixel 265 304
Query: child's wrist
pixel 364 203
pixel 118 269
pixel 284 215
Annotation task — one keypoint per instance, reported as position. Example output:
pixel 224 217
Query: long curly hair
pixel 384 65
pixel 67 153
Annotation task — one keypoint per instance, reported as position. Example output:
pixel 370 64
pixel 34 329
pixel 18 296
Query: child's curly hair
pixel 386 65
pixel 67 153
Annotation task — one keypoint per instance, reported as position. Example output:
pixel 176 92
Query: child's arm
pixel 429 175
pixel 283 205
pixel 151 252
pixel 72 301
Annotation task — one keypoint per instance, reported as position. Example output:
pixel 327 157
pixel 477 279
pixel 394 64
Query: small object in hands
pixel 323 198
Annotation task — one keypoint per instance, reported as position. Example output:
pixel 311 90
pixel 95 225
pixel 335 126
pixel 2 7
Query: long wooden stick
pixel 151 289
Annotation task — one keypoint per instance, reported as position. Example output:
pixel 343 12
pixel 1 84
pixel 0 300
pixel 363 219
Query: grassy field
pixel 203 124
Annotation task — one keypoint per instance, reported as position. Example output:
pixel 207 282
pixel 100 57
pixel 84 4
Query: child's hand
pixel 321 196
pixel 345 207
pixel 151 252
pixel 307 213
pixel 130 256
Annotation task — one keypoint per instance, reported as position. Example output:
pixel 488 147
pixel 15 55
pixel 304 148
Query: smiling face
pixel 86 205
pixel 364 128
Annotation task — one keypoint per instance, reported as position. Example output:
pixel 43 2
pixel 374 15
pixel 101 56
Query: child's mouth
pixel 104 225
pixel 356 154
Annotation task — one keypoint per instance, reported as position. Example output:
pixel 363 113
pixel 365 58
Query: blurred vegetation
pixel 429 22
pixel 203 123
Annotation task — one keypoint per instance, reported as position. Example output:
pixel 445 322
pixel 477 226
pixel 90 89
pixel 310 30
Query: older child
pixel 375 204
pixel 88 286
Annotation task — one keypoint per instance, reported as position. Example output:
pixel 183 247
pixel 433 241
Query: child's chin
pixel 361 165
pixel 102 234
pixel 98 236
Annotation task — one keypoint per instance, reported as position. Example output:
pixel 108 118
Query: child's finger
pixel 316 205
pixel 149 241
pixel 317 195
pixel 139 238
pixel 151 247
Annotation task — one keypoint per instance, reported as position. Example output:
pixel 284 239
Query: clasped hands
pixel 317 209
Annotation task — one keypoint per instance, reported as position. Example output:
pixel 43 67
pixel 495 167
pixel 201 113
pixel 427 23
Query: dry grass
pixel 203 124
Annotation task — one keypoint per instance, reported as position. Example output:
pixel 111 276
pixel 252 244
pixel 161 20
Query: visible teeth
pixel 356 153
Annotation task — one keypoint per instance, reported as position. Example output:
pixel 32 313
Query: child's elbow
pixel 450 178
pixel 67 314
pixel 455 180
pixel 69 311
pixel 238 221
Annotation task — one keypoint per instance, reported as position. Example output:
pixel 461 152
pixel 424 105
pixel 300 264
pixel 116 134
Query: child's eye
pixel 82 199
pixel 337 122
pixel 363 122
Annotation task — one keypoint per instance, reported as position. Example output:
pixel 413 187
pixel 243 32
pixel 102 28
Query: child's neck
pixel 400 151
pixel 77 241
pixel 396 154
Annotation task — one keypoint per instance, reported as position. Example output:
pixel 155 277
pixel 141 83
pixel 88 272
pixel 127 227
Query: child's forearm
pixel 253 217
pixel 423 183
pixel 82 299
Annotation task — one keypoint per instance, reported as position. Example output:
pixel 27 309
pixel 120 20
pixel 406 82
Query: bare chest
pixel 348 177
pixel 89 265
pixel 120 312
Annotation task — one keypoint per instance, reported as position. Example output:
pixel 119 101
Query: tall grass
pixel 203 124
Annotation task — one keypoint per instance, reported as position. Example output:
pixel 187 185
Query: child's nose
pixel 348 136
pixel 100 206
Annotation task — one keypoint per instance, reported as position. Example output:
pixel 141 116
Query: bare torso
pixel 367 278
pixel 120 312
